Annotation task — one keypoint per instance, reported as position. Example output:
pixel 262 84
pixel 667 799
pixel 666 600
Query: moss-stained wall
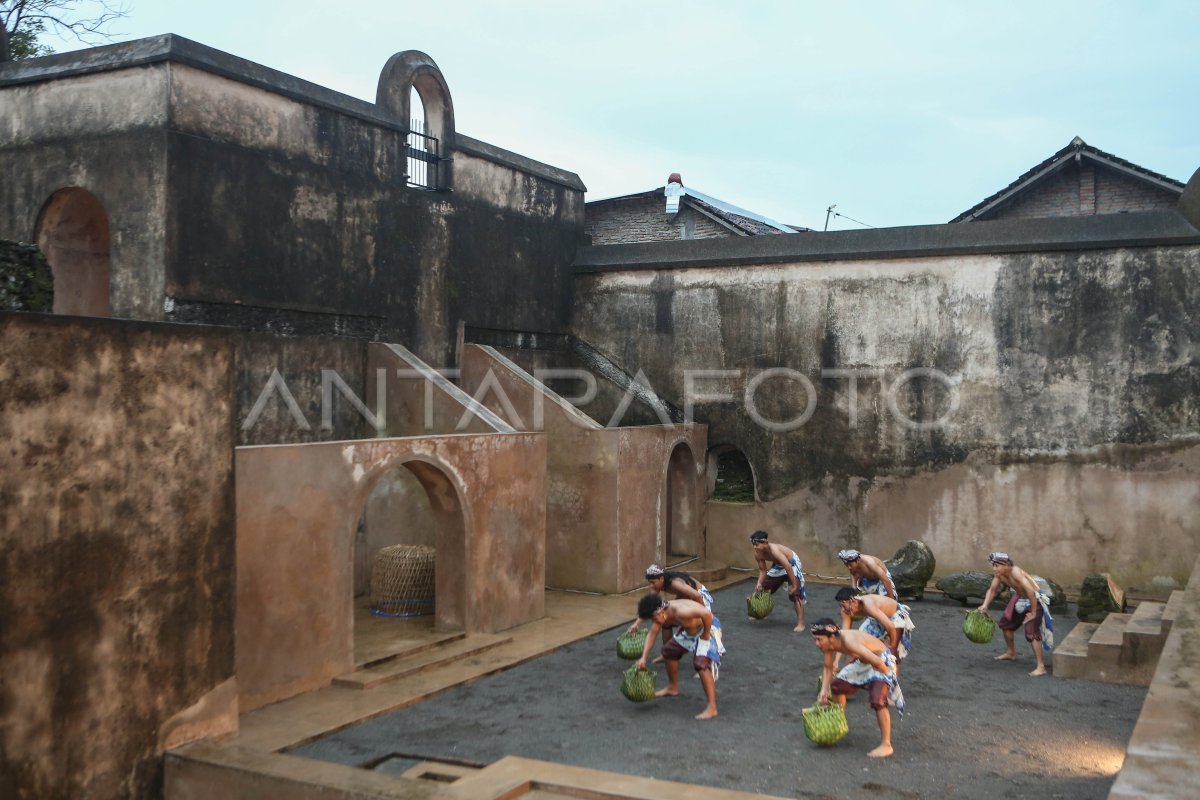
pixel 116 551
pixel 1056 359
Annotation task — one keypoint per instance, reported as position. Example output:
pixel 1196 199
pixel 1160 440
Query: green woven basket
pixel 825 724
pixel 630 645
pixel 979 627
pixel 638 684
pixel 759 604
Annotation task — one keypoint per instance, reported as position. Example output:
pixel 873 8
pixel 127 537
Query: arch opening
pixel 731 477
pixel 73 233
pixel 682 535
pixel 409 503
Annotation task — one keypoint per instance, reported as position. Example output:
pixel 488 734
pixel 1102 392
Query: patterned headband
pixel 847 556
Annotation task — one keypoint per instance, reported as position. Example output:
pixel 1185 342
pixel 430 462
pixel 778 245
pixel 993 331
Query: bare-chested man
pixel 885 619
pixel 872 667
pixel 695 633
pixel 870 574
pixel 1027 607
pixel 777 564
pixel 681 585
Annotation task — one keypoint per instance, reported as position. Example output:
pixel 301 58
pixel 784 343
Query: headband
pixel 758 536
pixel 1000 558
pixel 847 556
pixel 653 571
pixel 818 629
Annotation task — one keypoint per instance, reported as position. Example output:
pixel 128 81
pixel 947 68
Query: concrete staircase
pixel 708 573
pixel 1122 649
pixel 421 656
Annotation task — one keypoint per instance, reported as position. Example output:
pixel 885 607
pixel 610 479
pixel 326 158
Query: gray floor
pixel 974 727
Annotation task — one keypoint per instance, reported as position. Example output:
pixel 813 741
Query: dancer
pixel 697 632
pixel 777 564
pixel 870 574
pixel 885 619
pixel 1027 607
pixel 873 667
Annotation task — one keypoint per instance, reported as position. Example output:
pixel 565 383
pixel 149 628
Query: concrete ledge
pixel 1147 229
pixel 1160 761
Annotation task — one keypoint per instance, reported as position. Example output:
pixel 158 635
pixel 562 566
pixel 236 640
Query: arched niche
pixel 681 505
pixel 72 232
pixel 730 475
pixel 439 511
pixel 409 71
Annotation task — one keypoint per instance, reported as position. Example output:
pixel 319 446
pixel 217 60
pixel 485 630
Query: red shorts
pixel 673 651
pixel 1012 620
pixel 878 689
pixel 771 583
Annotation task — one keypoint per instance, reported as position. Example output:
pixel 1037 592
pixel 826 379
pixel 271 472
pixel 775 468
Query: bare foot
pixel 799 628
pixel 667 692
pixel 1006 657
pixel 883 751
pixel 1038 671
pixel 657 660
pixel 707 714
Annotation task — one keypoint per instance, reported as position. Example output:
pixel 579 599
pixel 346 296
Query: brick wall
pixel 644 219
pixel 1083 190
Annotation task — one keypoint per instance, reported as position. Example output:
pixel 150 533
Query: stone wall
pixel 1073 369
pixel 239 195
pixel 643 219
pixel 116 579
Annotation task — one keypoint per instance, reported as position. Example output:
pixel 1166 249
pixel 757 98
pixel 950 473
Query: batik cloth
pixel 903 622
pixel 776 576
pixel 861 674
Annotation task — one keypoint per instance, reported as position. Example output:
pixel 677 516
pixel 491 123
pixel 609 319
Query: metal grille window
pixel 423 157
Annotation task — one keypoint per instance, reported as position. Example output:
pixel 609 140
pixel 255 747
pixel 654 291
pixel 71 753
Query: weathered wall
pixel 86 131
pixel 298 507
pixel 1061 357
pixel 614 495
pixel 644 219
pixel 116 551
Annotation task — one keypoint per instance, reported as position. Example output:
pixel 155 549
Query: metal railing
pixel 423 165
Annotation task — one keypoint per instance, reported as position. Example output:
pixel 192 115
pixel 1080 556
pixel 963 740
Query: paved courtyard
pixel 974 728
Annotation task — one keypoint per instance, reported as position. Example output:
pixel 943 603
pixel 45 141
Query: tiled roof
pixel 1077 148
pixel 747 224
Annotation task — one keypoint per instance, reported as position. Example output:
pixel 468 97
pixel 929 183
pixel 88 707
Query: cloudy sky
pixel 901 113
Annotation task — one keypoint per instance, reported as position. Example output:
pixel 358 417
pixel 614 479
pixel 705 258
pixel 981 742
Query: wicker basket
pixel 979 627
pixel 825 724
pixel 638 684
pixel 759 604
pixel 630 645
pixel 402 581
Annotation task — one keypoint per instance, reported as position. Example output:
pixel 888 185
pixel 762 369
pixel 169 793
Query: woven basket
pixel 979 627
pixel 402 581
pixel 630 645
pixel 825 724
pixel 638 684
pixel 759 604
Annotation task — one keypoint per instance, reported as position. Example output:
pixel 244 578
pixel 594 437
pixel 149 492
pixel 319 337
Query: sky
pixel 900 113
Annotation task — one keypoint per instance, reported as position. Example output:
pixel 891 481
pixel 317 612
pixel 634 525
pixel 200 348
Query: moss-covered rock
pixel 911 568
pixel 962 586
pixel 26 282
pixel 1099 596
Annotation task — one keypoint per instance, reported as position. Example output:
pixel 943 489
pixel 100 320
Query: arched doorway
pixel 681 506
pixel 413 502
pixel 72 232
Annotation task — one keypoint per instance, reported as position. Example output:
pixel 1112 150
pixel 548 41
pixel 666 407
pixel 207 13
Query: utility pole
pixel 828 213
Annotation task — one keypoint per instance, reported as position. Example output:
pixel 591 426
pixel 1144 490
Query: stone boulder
pixel 911 568
pixel 963 586
pixel 1099 596
pixel 1058 598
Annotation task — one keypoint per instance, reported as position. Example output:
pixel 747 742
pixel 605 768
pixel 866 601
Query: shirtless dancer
pixel 695 633
pixel 1027 607
pixel 776 565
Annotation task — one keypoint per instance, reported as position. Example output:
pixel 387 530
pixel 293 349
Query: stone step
pixel 400 648
pixel 1105 644
pixel 1070 657
pixel 1171 612
pixel 440 771
pixel 396 668
pixel 704 571
pixel 1144 635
